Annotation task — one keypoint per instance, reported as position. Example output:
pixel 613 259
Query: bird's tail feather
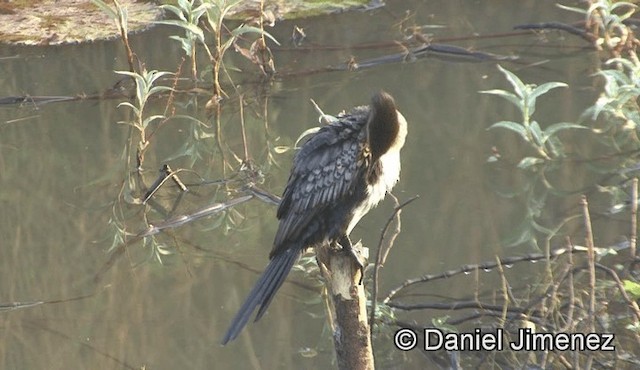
pixel 263 292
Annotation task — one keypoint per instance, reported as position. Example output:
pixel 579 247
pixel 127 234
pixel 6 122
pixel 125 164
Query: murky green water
pixel 61 169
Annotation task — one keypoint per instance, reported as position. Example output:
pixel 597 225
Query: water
pixel 61 169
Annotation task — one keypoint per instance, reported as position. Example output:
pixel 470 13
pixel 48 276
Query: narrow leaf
pixel 544 88
pixel 632 288
pixel 105 8
pixel 506 95
pixel 518 86
pixel 527 162
pixel 536 132
pixel 553 129
pixel 512 126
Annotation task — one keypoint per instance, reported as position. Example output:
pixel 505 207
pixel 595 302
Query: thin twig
pixel 623 292
pixel 465 269
pixel 592 271
pixel 572 303
pixel 571 289
pixel 461 305
pixel 381 256
pixel 244 134
pixel 634 217
pixel 505 293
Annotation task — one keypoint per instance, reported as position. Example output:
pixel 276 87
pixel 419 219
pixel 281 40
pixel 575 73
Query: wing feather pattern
pixel 324 173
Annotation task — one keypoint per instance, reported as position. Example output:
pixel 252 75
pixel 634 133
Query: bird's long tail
pixel 263 292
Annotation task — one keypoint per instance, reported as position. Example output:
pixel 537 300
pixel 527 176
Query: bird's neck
pixel 386 127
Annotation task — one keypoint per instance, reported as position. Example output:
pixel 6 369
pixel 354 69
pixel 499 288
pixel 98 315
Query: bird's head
pixel 386 126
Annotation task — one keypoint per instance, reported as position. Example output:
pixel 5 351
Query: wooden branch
pixel 351 334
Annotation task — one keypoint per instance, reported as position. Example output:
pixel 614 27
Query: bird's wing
pixel 324 172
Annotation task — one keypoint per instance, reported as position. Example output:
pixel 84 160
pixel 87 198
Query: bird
pixel 340 173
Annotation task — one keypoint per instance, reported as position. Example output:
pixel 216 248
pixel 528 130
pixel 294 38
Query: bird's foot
pixel 357 252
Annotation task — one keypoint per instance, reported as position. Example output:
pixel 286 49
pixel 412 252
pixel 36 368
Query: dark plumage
pixel 338 175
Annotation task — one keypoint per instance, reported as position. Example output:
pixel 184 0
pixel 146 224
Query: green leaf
pixel 512 126
pixel 190 118
pixel 629 13
pixel 191 28
pixel 527 162
pixel 250 29
pixel 127 104
pixel 555 146
pixel 632 288
pixel 572 9
pixel 186 5
pixel 175 10
pixel 506 95
pixel 518 86
pixel 553 129
pixel 199 11
pixel 148 120
pixel 105 8
pixel 157 89
pixel 152 76
pixel 540 90
pixel 536 132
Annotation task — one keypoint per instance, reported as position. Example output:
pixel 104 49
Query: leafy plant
pixel 605 20
pixel 145 88
pixel 617 103
pixel 121 18
pixel 188 19
pixel 215 12
pixel 544 142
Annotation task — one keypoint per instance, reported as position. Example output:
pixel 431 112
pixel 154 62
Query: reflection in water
pixel 61 168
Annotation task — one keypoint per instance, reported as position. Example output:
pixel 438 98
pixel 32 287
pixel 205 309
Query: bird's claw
pixel 356 252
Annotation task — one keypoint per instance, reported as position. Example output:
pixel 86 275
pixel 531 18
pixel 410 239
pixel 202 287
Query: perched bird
pixel 339 174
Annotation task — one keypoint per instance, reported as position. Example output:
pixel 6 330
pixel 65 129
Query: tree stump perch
pixel 351 333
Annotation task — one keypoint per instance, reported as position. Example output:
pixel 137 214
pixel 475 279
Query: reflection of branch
pixel 83 344
pixel 183 219
pixel 11 306
pixel 168 224
pixel 263 195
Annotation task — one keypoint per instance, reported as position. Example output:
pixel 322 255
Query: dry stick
pixel 218 122
pixel 569 326
pixel 471 268
pixel 505 298
pixel 462 305
pixel 572 296
pixel 592 271
pixel 505 293
pixel 244 134
pixel 572 304
pixel 511 316
pixel 376 268
pixel 634 217
pixel 381 256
